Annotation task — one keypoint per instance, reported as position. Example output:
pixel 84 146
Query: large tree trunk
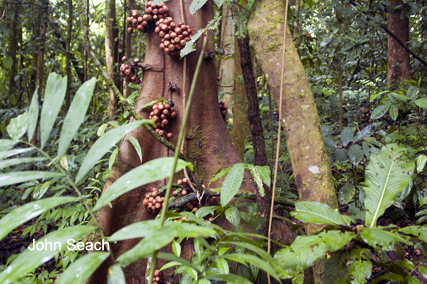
pixel 301 123
pixel 398 64
pixel 13 46
pixel 68 53
pixel 34 62
pixel 207 143
pixel 110 48
pixel 128 45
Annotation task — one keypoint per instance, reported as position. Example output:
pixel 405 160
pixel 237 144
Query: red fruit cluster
pixel 129 70
pixel 173 35
pixel 163 114
pixel 153 201
pixel 152 12
pixel 223 107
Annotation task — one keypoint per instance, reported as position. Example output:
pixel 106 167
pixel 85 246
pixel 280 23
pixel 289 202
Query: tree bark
pixel 340 94
pixel 68 53
pixel 85 55
pixel 304 137
pixel 297 28
pixel 128 44
pixel 110 48
pixel 398 63
pixel 226 66
pixel 36 40
pixel 13 46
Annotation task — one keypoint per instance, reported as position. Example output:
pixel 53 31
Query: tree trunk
pixel 239 108
pixel 110 47
pixel 226 66
pixel 13 46
pixel 398 64
pixel 207 143
pixel 340 94
pixel 68 53
pixel 85 55
pixel 297 28
pixel 128 44
pixel 304 137
pixel 36 40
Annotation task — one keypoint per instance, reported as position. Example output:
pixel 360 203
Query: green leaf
pixel 386 240
pixel 421 162
pixel 150 228
pixel 18 161
pixel 33 114
pixel 422 103
pixel 346 193
pixel 56 88
pixel 192 272
pixel 149 172
pixel 255 261
pixel 80 270
pixel 306 250
pixel 42 190
pixel 116 275
pixel 196 5
pixel 64 162
pixel 346 136
pixel 75 115
pixel 309 2
pixel 396 98
pixel 379 111
pixel 341 155
pixel 232 183
pixel 103 144
pixel 18 177
pixel 264 172
pixel 365 132
pixel 7 62
pixel 422 270
pixel 360 266
pixel 31 259
pixel 228 277
pixel 413 92
pixel 24 213
pixel 176 248
pixel 205 210
pixel 220 174
pixel 330 142
pixel 386 175
pixel 222 266
pixel 369 149
pixel 356 154
pixel 148 106
pixel 219 4
pixel 14 152
pixel 319 213
pixel 102 129
pixel 413 280
pixel 393 112
pixel 419 231
pixel 189 46
pixel 6 144
pixel 257 178
pixel 136 145
pixel 389 276
pixel 17 126
pixel 176 260
pixel 233 215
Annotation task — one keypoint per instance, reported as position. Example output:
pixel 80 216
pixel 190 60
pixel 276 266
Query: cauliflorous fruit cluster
pixel 129 70
pixel 163 114
pixel 173 35
pixel 153 201
pixel 223 107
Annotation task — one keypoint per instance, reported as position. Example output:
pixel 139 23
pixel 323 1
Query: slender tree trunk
pixel 68 53
pixel 226 66
pixel 398 63
pixel 85 55
pixel 128 44
pixel 21 61
pixel 110 23
pixel 13 46
pixel 304 137
pixel 340 94
pixel 297 28
pixel 239 108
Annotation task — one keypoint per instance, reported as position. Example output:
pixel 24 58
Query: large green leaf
pixel 56 88
pixel 18 161
pixel 257 178
pixel 365 132
pixel 379 111
pixel 254 260
pixel 29 211
pixel 341 155
pixel 149 172
pixel 17 126
pixel 80 270
pixel 346 136
pixel 18 177
pixel 233 215
pixel 75 115
pixel 387 174
pixel 356 154
pixel 419 231
pixel 386 240
pixel 305 250
pixel 232 183
pixel 116 275
pixel 33 115
pixel 421 162
pixel 14 152
pixel 319 213
pixel 360 267
pixel 422 103
pixel 103 144
pixel 6 144
pixel 150 228
pixel 137 147
pixel 346 193
pixel 31 259
pixel 222 266
pixel 232 278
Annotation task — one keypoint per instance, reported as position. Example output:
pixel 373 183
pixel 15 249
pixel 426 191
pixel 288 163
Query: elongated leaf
pixel 319 213
pixel 232 183
pixel 257 178
pixel 386 175
pixel 227 277
pixel 148 229
pixel 18 161
pixel 18 177
pixel 33 115
pixel 422 103
pixel 31 259
pixel 29 211
pixel 18 126
pixel 196 5
pixel 75 115
pixel 205 210
pixel 220 174
pixel 382 239
pixel 330 142
pixel 346 136
pixel 305 250
pixel 149 172
pixel 412 92
pixel 176 248
pixel 80 270
pixel 14 152
pixel 175 259
pixel 393 112
pixel 369 149
pixel 116 275
pixel 355 154
pixel 346 193
pixel 222 266
pixel 419 231
pixel 360 267
pixel 233 215
pixel 264 172
pixel 421 162
pixel 365 132
pixel 103 144
pixel 42 190
pixel 379 111
pixel 56 88
pixel 136 145
pixel 6 144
